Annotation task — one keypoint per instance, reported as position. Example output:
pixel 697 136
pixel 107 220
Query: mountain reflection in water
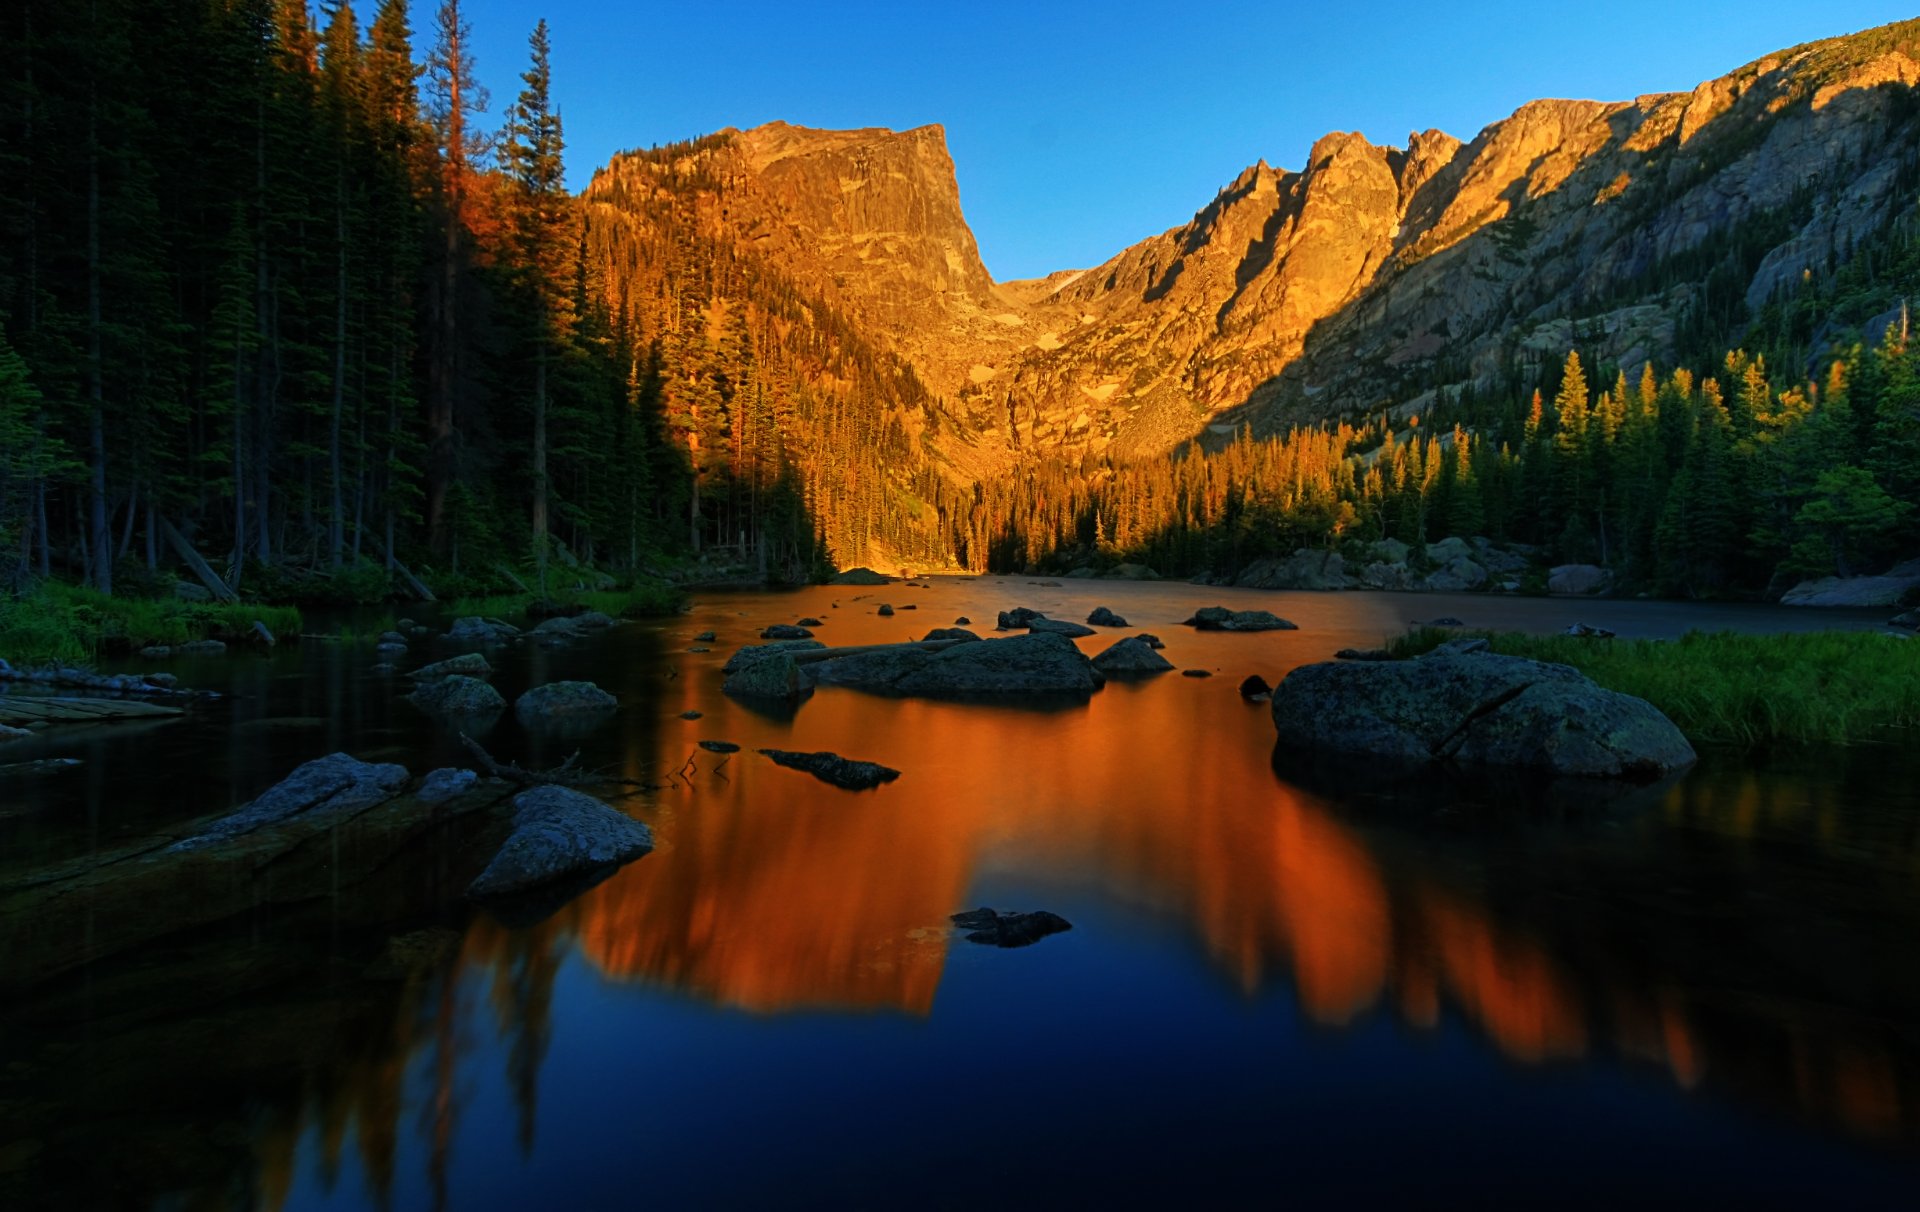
pixel 1746 933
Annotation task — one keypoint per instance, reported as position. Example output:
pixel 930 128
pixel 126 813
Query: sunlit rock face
pixel 1369 276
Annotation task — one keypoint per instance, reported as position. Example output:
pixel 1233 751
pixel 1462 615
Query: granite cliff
pixel 1369 278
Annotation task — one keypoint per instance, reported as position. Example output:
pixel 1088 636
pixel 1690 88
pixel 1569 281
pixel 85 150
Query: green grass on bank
pixel 59 622
pixel 644 600
pixel 1821 687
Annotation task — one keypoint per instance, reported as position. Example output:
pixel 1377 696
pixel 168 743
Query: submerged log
pixel 18 709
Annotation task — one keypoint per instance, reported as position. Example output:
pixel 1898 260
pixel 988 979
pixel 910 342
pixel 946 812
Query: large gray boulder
pixel 1457 575
pixel 1888 589
pixel 329 790
pixel 559 835
pixel 457 694
pixel 1132 655
pixel 1035 663
pixel 1578 579
pixel 1018 618
pixel 769 675
pixel 1476 708
pixel 558 701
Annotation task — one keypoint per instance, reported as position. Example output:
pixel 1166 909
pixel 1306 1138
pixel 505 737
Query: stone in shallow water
pixel 832 768
pixel 1219 618
pixel 1102 617
pixel 457 695
pixel 1462 704
pixel 1129 656
pixel 559 834
pixel 719 746
pixel 563 700
pixel 1059 627
pixel 471 664
pixel 333 787
pixel 1009 929
pixel 786 631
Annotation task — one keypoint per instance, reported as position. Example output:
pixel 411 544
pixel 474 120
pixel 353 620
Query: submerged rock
pixel 1219 618
pixel 563 700
pixel 559 835
pixel 471 664
pixel 807 622
pixel 949 633
pixel 1132 655
pixel 786 631
pixel 705 637
pixel 1196 673
pixel 476 630
pixel 1476 708
pixel 457 694
pixel 832 768
pixel 719 746
pixel 997 929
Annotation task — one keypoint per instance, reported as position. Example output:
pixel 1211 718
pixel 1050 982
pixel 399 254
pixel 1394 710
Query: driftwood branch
pixel 566 774
pixel 208 577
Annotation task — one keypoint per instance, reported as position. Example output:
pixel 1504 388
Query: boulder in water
pixel 1219 618
pixel 1254 688
pixel 1477 708
pixel 559 835
pixel 786 631
pixel 998 929
pixel 469 664
pixel 1102 617
pixel 563 701
pixel 1036 663
pixel 1018 619
pixel 457 694
pixel 1132 655
pixel 1072 631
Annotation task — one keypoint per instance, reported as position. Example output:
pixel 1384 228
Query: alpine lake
pixel 1279 985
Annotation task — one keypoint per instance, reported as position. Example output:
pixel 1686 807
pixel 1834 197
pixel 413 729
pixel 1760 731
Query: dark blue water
pixel 1278 985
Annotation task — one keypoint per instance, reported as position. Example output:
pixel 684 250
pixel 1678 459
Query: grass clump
pixel 644 599
pixel 60 622
pixel 1751 691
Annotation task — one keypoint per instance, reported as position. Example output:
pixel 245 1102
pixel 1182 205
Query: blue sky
pixel 1078 128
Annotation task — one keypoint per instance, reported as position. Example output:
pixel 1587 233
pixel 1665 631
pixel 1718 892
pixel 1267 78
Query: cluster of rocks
pixel 456 687
pixel 1451 565
pixel 1219 618
pixel 1899 585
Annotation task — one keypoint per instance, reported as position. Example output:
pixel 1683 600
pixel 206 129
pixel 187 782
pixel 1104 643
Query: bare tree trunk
pixel 336 536
pixel 100 544
pixel 540 462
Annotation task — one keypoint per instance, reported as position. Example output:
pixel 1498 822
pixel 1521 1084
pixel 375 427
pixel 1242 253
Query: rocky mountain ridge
pixel 1369 278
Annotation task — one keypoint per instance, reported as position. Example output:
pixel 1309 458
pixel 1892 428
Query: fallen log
pixel 19 709
pixel 208 577
pixel 414 583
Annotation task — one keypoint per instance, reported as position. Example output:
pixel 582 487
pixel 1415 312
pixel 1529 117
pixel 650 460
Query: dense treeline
pixel 1687 484
pixel 271 281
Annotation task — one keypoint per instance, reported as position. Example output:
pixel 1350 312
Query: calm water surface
pixel 1280 983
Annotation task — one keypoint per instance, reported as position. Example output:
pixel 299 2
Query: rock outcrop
pixel 1031 664
pixel 457 694
pixel 1462 704
pixel 1890 588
